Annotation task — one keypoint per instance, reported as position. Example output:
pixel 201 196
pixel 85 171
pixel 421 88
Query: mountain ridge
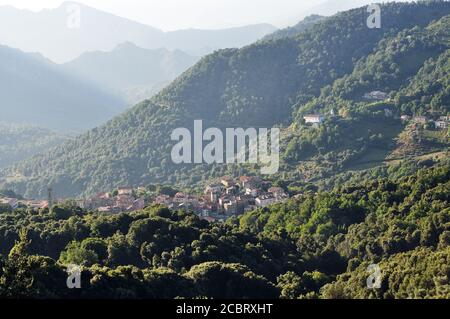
pixel 53 99
pixel 98 30
pixel 129 68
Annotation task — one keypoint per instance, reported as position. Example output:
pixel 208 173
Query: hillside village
pixel 438 122
pixel 220 200
pixel 13 203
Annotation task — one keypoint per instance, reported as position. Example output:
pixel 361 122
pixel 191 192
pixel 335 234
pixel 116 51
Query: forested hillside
pixel 303 25
pixel 20 142
pixel 409 67
pixel 265 84
pixel 316 246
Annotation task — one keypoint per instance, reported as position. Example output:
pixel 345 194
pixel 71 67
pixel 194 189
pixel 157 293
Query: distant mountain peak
pixel 126 46
pixel 46 32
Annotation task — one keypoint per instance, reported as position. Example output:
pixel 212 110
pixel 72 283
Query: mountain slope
pixel 259 85
pixel 35 91
pixel 44 32
pixel 129 67
pixel 363 131
pixel 430 86
pixel 303 25
pixel 20 142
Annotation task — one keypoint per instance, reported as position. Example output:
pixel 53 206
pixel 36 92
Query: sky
pixel 171 15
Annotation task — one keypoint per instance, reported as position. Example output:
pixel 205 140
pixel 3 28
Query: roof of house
pixel 265 196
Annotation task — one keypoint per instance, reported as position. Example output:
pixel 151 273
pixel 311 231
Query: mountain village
pixel 221 200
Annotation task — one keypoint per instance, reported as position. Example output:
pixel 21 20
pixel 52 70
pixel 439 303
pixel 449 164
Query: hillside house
pixel 101 199
pixel 278 193
pixel 265 200
pixel 124 201
pixel 405 118
pixel 376 95
pixel 226 199
pixel 125 191
pixel 314 118
pixel 180 198
pixel 441 125
pixel 138 204
pixel 105 209
pixel 214 188
pixel 420 119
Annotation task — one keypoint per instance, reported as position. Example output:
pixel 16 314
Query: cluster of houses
pixel 124 200
pixel 14 203
pixel 441 123
pixel 219 201
pixel 228 197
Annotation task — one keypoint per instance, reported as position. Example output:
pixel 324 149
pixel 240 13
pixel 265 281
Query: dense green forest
pixel 326 66
pixel 303 25
pixel 18 142
pixel 318 245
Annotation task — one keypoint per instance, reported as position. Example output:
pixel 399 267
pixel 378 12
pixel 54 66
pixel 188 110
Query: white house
pixel 314 118
pixel 441 124
pixel 125 191
pixel 405 118
pixel 265 200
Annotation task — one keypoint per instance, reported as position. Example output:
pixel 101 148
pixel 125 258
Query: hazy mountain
pixel 135 72
pixel 201 42
pixel 265 84
pixel 35 91
pixel 46 30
